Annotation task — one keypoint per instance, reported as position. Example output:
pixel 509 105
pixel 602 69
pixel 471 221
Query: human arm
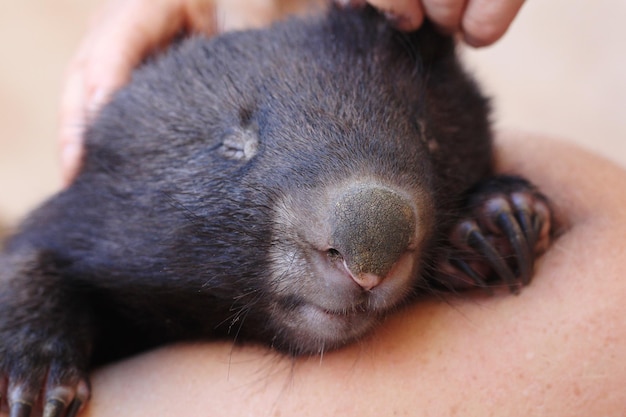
pixel 558 348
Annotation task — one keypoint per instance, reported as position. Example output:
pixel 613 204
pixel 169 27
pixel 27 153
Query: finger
pixel 201 16
pixel 446 14
pixel 122 36
pixel 72 119
pixel 485 21
pixel 405 14
pixel 246 14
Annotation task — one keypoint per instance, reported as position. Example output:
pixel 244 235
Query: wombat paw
pixel 34 383
pixel 508 224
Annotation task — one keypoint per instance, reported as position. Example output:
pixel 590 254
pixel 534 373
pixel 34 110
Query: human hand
pixel 122 33
pixel 482 22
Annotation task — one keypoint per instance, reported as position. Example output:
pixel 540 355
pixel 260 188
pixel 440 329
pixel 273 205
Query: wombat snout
pixel 358 249
pixel 372 229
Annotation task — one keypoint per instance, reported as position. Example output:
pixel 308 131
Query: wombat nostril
pixel 334 254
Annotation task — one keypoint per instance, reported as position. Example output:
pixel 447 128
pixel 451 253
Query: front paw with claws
pixel 508 223
pixel 43 366
pixel 34 382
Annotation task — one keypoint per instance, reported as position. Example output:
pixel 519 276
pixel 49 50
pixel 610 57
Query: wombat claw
pixel 62 398
pixel 509 225
pixel 56 408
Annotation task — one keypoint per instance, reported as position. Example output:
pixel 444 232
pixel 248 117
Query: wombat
pixel 288 186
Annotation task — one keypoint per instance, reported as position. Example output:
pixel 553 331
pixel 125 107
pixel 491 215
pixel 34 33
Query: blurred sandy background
pixel 560 70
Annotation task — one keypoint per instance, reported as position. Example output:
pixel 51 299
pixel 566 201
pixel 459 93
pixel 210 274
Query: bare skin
pixel 123 32
pixel 481 22
pixel 558 348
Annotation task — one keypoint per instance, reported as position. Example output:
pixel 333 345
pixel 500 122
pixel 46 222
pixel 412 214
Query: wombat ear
pixel 239 143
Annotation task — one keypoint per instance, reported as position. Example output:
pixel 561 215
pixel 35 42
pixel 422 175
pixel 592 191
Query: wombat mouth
pixel 316 329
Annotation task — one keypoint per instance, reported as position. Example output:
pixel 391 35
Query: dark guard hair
pixel 168 231
pixel 288 186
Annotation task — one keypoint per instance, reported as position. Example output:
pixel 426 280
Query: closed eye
pixel 239 144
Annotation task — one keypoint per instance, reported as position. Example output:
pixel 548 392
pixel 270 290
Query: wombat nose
pixel 368 281
pixel 372 228
pixel 365 280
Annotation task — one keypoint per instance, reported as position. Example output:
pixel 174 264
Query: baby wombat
pixel 287 186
